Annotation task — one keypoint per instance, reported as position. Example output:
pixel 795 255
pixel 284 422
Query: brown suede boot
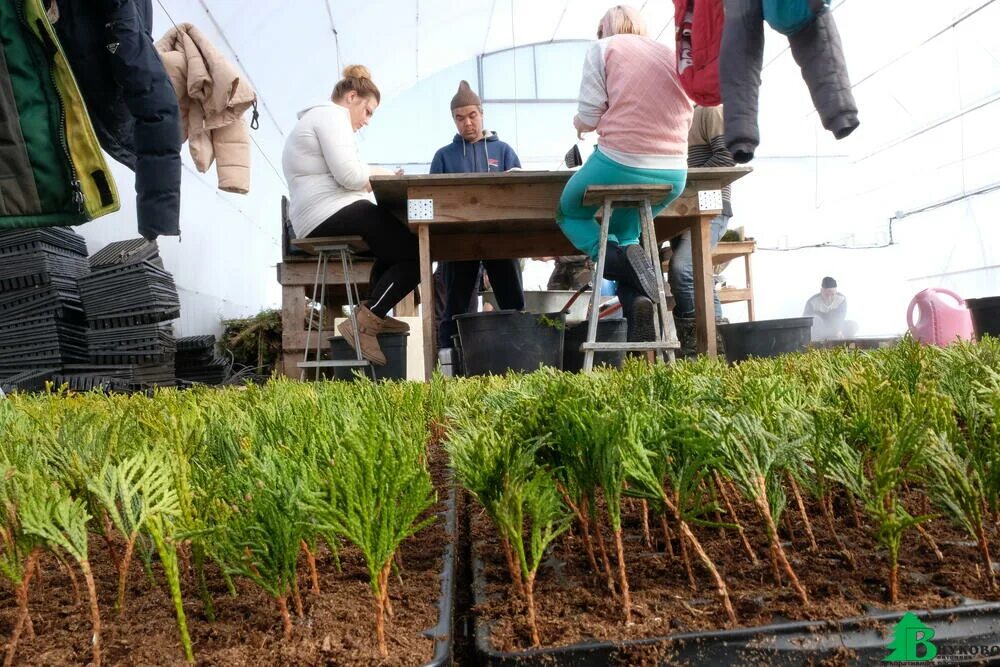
pixel 391 325
pixel 370 326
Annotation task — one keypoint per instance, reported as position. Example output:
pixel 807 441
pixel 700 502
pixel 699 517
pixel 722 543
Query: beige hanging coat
pixel 213 96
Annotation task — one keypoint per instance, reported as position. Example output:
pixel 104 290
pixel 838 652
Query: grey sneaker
pixel 631 265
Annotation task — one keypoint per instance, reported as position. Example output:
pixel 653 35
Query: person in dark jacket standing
pixel 474 150
pixel 129 98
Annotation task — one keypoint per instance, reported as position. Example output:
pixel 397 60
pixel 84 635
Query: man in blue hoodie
pixel 474 151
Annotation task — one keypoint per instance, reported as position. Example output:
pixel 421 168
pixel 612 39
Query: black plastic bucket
pixel 393 347
pixel 508 340
pixel 985 316
pixel 765 338
pixel 608 331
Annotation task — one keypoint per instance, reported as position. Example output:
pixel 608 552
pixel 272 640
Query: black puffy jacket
pixel 129 99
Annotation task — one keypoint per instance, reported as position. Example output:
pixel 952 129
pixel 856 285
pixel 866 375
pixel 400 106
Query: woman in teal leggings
pixel 631 95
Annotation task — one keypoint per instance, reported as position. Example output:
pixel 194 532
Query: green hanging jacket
pixel 52 171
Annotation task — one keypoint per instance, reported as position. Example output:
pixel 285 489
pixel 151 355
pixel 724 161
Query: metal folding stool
pixel 344 247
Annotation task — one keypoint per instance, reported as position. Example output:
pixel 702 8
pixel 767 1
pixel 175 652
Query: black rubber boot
pixel 631 265
pixel 686 336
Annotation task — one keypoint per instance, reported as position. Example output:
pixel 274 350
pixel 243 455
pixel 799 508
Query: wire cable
pixel 336 36
pixel 222 33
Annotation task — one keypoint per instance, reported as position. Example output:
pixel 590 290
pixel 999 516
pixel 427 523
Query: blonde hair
pixel 621 20
pixel 358 79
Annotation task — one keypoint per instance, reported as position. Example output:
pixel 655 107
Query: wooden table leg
pixel 427 298
pixel 704 300
pixel 750 310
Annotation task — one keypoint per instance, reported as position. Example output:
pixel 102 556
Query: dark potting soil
pixel 338 627
pixel 573 605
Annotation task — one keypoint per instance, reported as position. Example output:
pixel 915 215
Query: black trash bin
pixel 394 348
pixel 985 316
pixel 765 338
pixel 608 331
pixel 508 340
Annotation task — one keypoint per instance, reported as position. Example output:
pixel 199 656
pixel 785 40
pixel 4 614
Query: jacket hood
pixel 316 106
pixel 490 136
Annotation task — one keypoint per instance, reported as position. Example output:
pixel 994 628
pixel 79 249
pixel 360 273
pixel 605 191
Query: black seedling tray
pixel 61 238
pixel 443 633
pixel 90 382
pixel 150 315
pixel 30 269
pixel 27 380
pixel 970 625
pixel 120 253
pixel 41 301
pixel 196 343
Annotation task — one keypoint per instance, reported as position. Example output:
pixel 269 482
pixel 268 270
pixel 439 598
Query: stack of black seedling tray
pixel 197 361
pixel 129 298
pixel 42 326
pixel 130 294
pixel 40 342
pixel 94 381
pixel 29 380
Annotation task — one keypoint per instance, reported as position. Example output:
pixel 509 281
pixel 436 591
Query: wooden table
pixel 512 215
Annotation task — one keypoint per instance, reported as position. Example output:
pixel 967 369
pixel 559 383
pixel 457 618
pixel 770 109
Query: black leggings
pixel 396 271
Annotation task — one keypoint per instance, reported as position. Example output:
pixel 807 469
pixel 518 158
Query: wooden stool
pixel 611 197
pixel 345 247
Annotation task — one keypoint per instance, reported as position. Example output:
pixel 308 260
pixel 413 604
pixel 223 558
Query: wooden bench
pixel 726 251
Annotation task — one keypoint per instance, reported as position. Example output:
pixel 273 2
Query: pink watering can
pixel 943 317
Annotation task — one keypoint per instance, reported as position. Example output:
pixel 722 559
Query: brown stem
pixel 385 589
pixel 95 612
pixel 512 568
pixel 736 519
pixel 581 516
pixel 297 597
pixel 984 551
pixel 855 514
pixel 772 534
pixel 720 583
pixel 805 517
pixel 383 649
pixel 23 617
pixel 712 492
pixel 123 574
pixel 313 573
pixel 931 543
pixel 894 582
pixel 826 503
pixel 667 537
pixel 286 618
pixel 786 523
pixel 529 591
pixel 108 530
pixel 684 552
pixel 687 565
pixel 622 577
pixel 609 576
pixel 647 537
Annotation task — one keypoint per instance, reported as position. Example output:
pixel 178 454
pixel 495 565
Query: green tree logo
pixel 908 636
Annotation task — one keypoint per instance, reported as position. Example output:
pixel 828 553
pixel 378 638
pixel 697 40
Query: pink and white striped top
pixel 632 94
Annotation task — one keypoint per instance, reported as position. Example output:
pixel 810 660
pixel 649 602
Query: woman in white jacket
pixel 330 196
